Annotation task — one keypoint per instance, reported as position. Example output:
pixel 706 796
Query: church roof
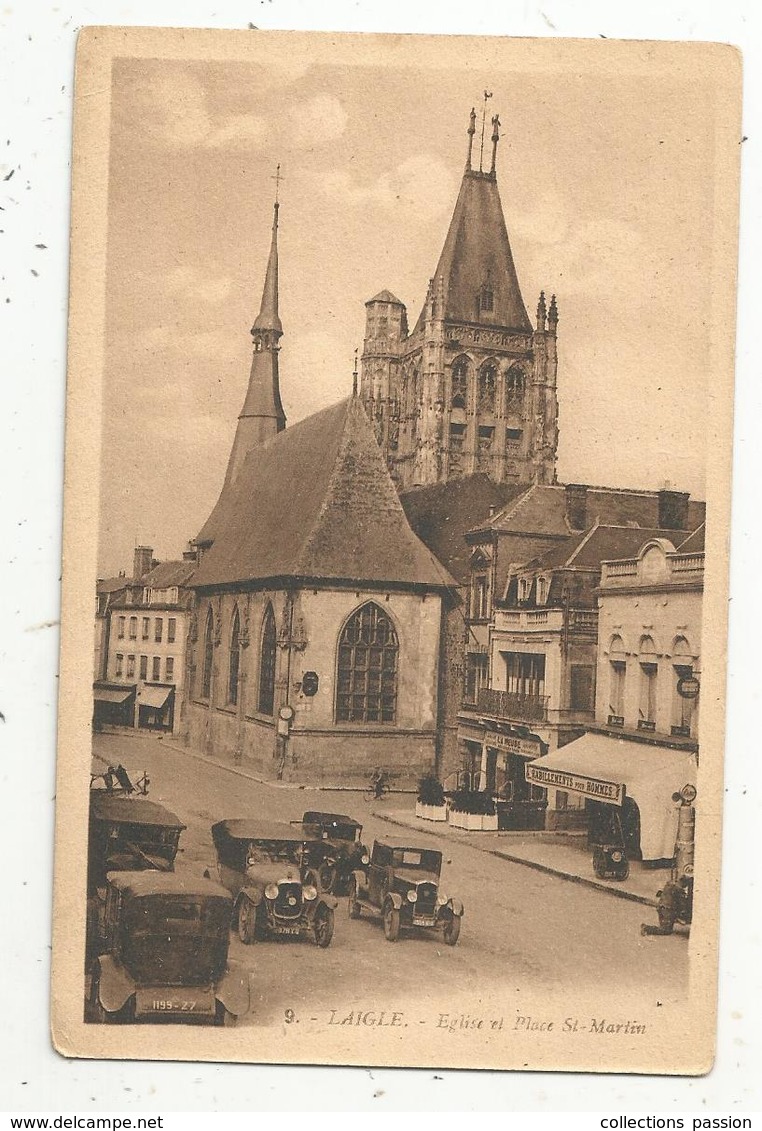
pixel 442 513
pixel 268 318
pixel 385 296
pixel 316 502
pixel 476 253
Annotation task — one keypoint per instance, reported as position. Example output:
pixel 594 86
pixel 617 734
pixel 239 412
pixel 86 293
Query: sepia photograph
pixel 399 434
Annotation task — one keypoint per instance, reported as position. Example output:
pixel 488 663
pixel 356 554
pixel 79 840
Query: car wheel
pixel 98 1014
pixel 599 864
pixel 391 922
pixel 327 877
pixel 324 926
pixel 223 1016
pixel 452 929
pixel 354 903
pixel 247 921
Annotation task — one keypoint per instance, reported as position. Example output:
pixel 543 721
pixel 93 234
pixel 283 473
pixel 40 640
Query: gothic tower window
pixel 487 386
pixel 206 669
pixel 457 450
pixel 366 685
pixel 267 653
pixel 486 299
pixel 484 449
pixel 234 660
pixel 459 383
pixel 514 390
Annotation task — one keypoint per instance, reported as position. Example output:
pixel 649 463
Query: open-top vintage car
pixel 127 834
pixel 262 865
pixel 401 883
pixel 166 959
pixel 340 850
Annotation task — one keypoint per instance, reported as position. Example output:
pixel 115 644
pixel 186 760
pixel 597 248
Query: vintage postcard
pixel 395 553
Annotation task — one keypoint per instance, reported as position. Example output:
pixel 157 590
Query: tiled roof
pixel 476 252
pixel 442 513
pixel 167 574
pixel 112 584
pixel 317 502
pixel 542 510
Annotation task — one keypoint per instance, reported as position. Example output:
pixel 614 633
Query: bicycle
pixel 379 786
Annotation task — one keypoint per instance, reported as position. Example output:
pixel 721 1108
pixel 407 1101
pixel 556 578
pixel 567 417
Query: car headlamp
pixel 442 898
pixel 616 857
pixel 688 793
pixel 309 892
pixel 412 895
pixel 271 891
pixel 688 870
pixel 365 858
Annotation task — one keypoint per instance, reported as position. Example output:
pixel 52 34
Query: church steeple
pixel 262 415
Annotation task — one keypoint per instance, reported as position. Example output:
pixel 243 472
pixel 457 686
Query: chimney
pixel 673 509
pixel 576 505
pixel 143 561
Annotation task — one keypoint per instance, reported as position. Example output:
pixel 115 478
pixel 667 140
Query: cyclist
pixel 379 783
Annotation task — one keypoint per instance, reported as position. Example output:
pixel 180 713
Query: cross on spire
pixel 277 178
pixel 487 95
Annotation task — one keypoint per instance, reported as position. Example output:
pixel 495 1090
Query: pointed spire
pixel 354 376
pixel 471 132
pixel 268 319
pixel 552 315
pixel 495 140
pixel 542 313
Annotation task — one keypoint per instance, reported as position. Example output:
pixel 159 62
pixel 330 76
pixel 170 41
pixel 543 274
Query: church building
pixel 473 387
pixel 313 653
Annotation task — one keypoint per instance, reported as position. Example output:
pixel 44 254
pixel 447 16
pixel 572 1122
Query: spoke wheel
pixel 452 930
pixel 354 903
pixel 324 927
pixel 327 877
pixel 247 921
pixel 391 922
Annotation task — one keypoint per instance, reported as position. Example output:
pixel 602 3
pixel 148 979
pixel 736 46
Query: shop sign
pixel 594 788
pixel 688 687
pixel 512 744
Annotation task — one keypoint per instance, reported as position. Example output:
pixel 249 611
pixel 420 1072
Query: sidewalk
pixel 567 857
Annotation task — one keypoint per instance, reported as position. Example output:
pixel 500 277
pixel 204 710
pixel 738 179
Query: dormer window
pixel 525 588
pixel 542 590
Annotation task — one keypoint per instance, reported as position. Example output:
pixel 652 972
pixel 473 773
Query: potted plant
pixel 430 804
pixel 474 810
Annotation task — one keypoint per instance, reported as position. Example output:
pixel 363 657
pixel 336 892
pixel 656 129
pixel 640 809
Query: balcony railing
pixel 512 705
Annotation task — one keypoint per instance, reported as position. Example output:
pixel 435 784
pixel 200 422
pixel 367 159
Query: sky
pixel 607 187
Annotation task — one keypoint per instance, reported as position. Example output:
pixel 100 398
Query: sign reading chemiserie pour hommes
pixel 561 779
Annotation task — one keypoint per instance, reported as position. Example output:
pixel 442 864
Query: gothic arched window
pixel 366 685
pixel 267 652
pixel 514 390
pixel 234 660
pixel 459 383
pixel 487 386
pixel 206 669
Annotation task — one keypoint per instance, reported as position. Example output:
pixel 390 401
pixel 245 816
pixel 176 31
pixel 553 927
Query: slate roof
pixel 442 513
pixel 694 543
pixel 167 574
pixel 600 544
pixel 541 509
pixel 477 249
pixel 112 584
pixel 316 502
pixel 385 296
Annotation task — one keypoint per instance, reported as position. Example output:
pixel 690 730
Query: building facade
pixel 472 388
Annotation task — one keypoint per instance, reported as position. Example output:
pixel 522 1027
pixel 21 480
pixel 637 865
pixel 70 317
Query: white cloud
pixel 420 184
pixel 241 131
pixel 312 123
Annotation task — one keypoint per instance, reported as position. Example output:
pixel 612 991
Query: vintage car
pixel 262 865
pixel 332 862
pixel 127 834
pixel 401 883
pixel 166 959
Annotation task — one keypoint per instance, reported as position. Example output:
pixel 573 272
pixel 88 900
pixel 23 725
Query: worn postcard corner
pixel 399 433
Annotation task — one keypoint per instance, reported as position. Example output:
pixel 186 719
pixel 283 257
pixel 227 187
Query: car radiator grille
pixel 427 899
pixel 288 904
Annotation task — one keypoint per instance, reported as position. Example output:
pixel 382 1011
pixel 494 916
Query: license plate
pixel 287 930
pixel 424 921
pixel 160 1002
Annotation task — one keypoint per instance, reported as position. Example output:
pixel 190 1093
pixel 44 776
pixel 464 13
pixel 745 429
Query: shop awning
pixel 604 768
pixel 155 696
pixel 110 695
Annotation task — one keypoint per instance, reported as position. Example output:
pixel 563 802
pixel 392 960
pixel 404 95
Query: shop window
pixel 234 660
pixel 169 669
pixel 366 685
pixel 267 656
pixel 206 669
pixel 144 667
pixel 156 669
pixel 171 629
